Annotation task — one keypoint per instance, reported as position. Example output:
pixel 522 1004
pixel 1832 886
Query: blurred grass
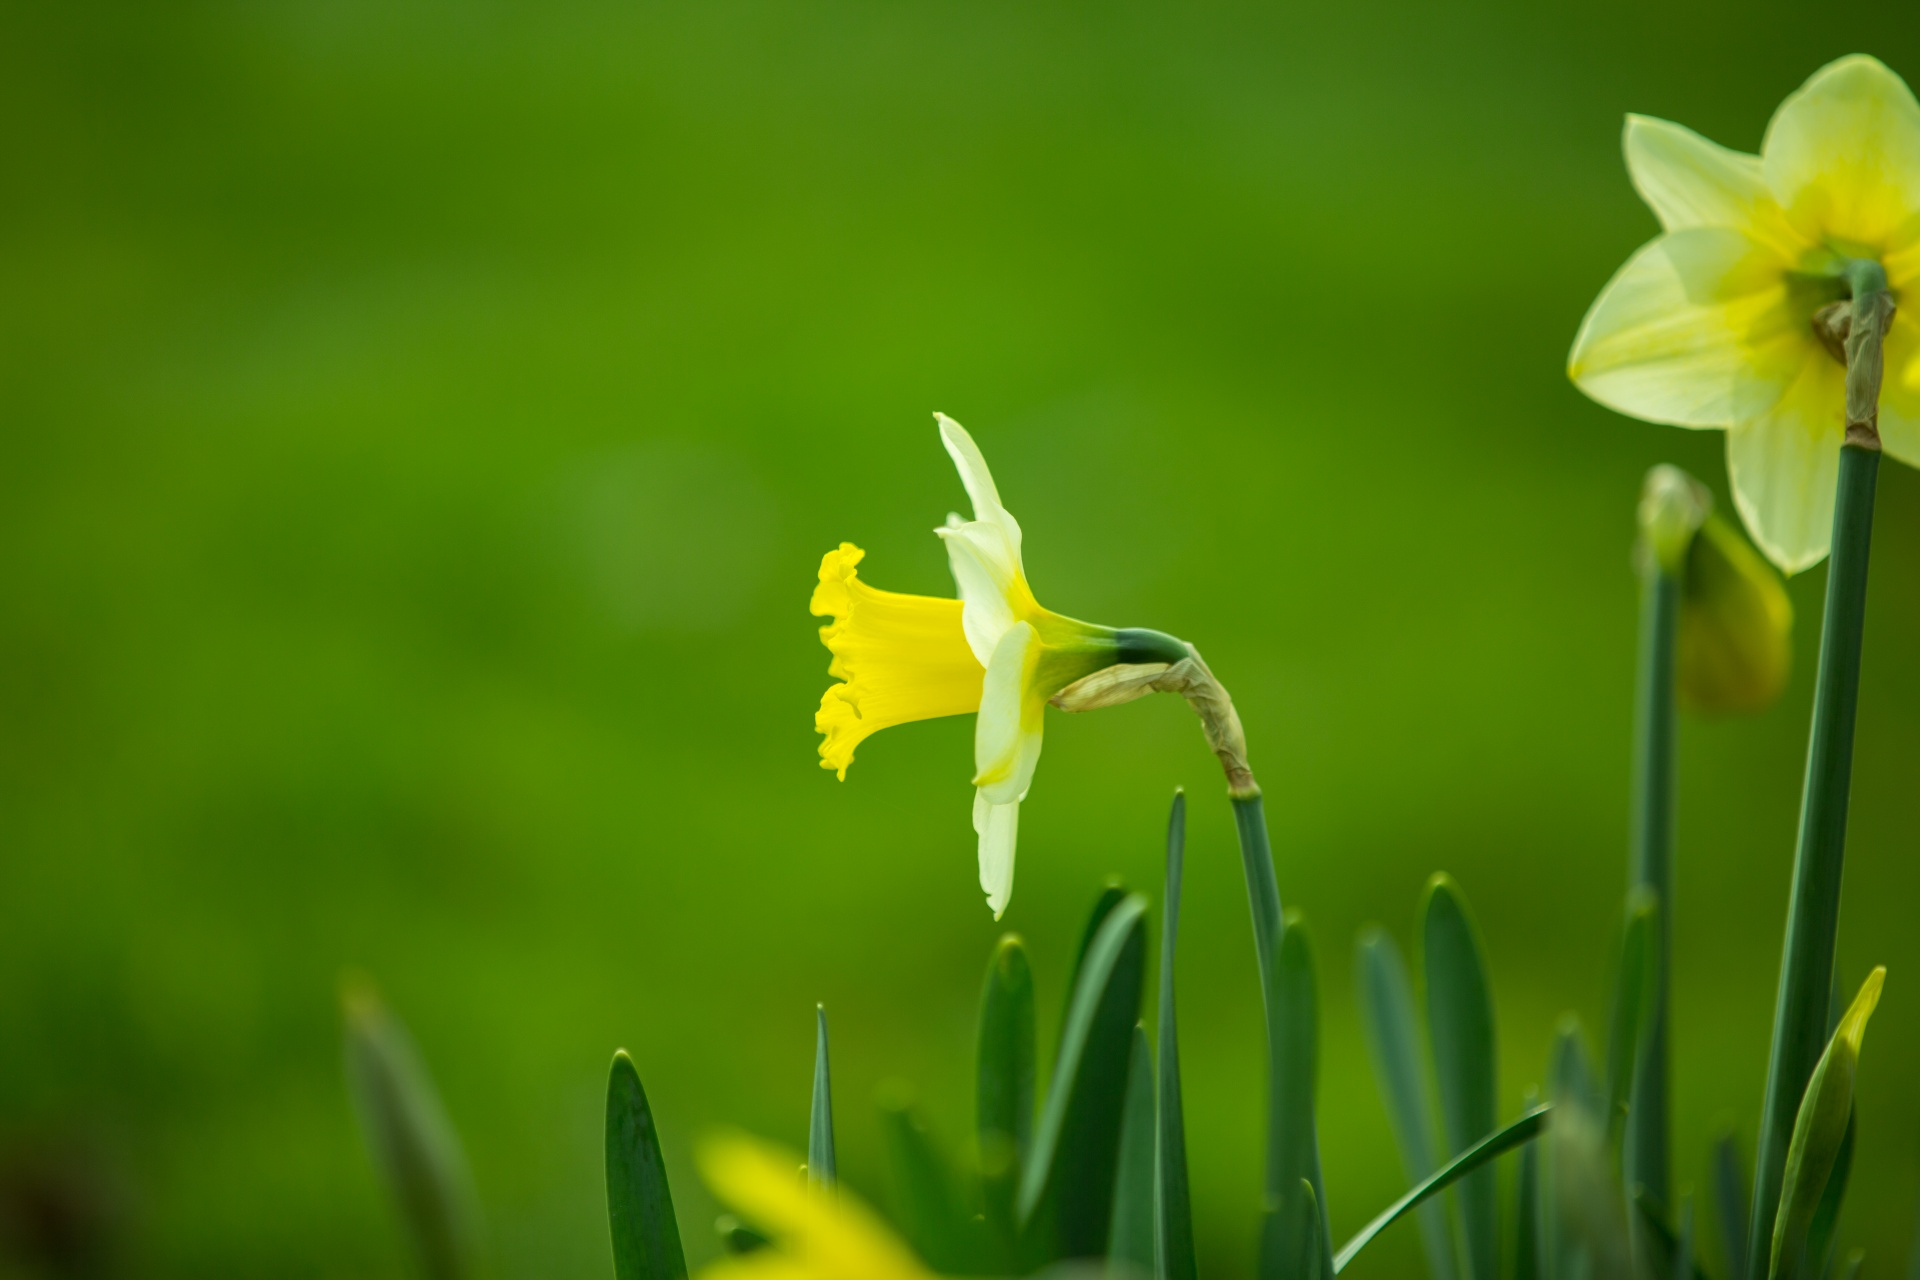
pixel 419 424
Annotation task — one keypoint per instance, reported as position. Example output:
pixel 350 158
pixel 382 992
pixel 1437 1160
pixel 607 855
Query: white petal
pixel 1696 330
pixel 1842 154
pixel 972 465
pixel 998 826
pixel 987 574
pixel 1006 734
pixel 1689 182
pixel 1783 468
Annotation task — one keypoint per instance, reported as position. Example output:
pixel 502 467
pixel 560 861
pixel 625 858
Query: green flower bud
pixel 1735 645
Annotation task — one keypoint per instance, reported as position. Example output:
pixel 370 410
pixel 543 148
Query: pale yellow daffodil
pixel 1711 325
pixel 994 651
pixel 814 1235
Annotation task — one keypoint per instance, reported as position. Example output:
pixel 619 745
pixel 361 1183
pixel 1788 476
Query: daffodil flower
pixel 1712 324
pixel 814 1236
pixel 994 651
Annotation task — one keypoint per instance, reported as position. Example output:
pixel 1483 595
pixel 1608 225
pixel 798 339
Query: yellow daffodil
pixel 814 1236
pixel 1712 324
pixel 993 651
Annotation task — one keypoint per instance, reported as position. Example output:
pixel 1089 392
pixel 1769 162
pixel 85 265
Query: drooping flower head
pixel 994 651
pixel 1712 324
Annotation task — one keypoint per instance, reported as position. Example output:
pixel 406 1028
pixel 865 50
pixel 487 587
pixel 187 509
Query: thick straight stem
pixel 1648 1137
pixel 1806 964
pixel 1263 896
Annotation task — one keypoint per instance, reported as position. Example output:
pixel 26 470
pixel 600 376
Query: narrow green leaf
pixel 1295 1058
pixel 1730 1205
pixel 1671 1247
pixel 1570 1079
pixel 1819 1134
pixel 1583 1219
pixel 1393 1042
pixel 1112 894
pixel 646 1239
pixel 820 1162
pixel 1683 1262
pixel 1173 1207
pixel 1476 1157
pixel 411 1140
pixel 1634 995
pixel 932 1207
pixel 1130 1239
pixel 1526 1208
pixel 1290 1235
pixel 1850 1269
pixel 1004 1092
pixel 1827 1216
pixel 1460 1031
pixel 1066 1188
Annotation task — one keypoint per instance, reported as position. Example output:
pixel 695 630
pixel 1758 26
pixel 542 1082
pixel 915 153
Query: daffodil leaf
pixel 1671 1247
pixel 646 1239
pixel 1827 1216
pixel 1173 1205
pixel 412 1141
pixel 1130 1238
pixel 1066 1188
pixel 1475 1158
pixel 1635 995
pixel 1583 1216
pixel 1527 1263
pixel 1290 1237
pixel 1112 894
pixel 1730 1204
pixel 1460 1031
pixel 1004 1090
pixel 820 1158
pixel 1820 1140
pixel 1393 1042
pixel 1294 1052
pixel 931 1204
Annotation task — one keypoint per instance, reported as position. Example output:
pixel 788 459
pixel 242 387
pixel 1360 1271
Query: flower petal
pixel 998 826
pixel 1006 737
pixel 987 574
pixel 1900 390
pixel 1784 466
pixel 972 465
pixel 1842 154
pixel 1698 329
pixel 1689 181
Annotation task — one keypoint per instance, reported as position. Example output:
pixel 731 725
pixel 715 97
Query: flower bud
pixel 1673 506
pixel 1735 644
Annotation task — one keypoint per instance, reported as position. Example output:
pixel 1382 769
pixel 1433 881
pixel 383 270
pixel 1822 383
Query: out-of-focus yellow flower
pixel 1712 323
pixel 815 1235
pixel 994 651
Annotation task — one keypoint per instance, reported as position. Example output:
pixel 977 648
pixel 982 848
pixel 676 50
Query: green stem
pixel 1646 1160
pixel 1806 965
pixel 1263 896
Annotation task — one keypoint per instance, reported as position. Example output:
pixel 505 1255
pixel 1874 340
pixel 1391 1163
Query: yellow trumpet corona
pixel 995 652
pixel 1711 325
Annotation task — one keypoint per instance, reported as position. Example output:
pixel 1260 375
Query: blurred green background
pixel 421 426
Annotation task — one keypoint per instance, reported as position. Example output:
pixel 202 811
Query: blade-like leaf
pixel 1683 1265
pixel 1819 1134
pixel 820 1160
pixel 1460 1031
pixel 1290 1235
pixel 1295 1055
pixel 1066 1189
pixel 1730 1205
pixel 1827 1216
pixel 1112 894
pixel 1130 1239
pixel 1173 1207
pixel 412 1141
pixel 1393 1041
pixel 646 1238
pixel 931 1205
pixel 1476 1157
pixel 1526 1208
pixel 1671 1248
pixel 1583 1219
pixel 1004 1094
pixel 1634 997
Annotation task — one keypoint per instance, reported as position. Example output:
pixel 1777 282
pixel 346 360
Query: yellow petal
pixel 815 1236
pixel 1690 182
pixel 1784 466
pixel 998 826
pixel 902 658
pixel 1900 387
pixel 1842 156
pixel 1006 741
pixel 1698 329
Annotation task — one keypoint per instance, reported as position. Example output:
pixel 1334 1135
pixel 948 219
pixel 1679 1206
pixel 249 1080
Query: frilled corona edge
pixel 900 658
